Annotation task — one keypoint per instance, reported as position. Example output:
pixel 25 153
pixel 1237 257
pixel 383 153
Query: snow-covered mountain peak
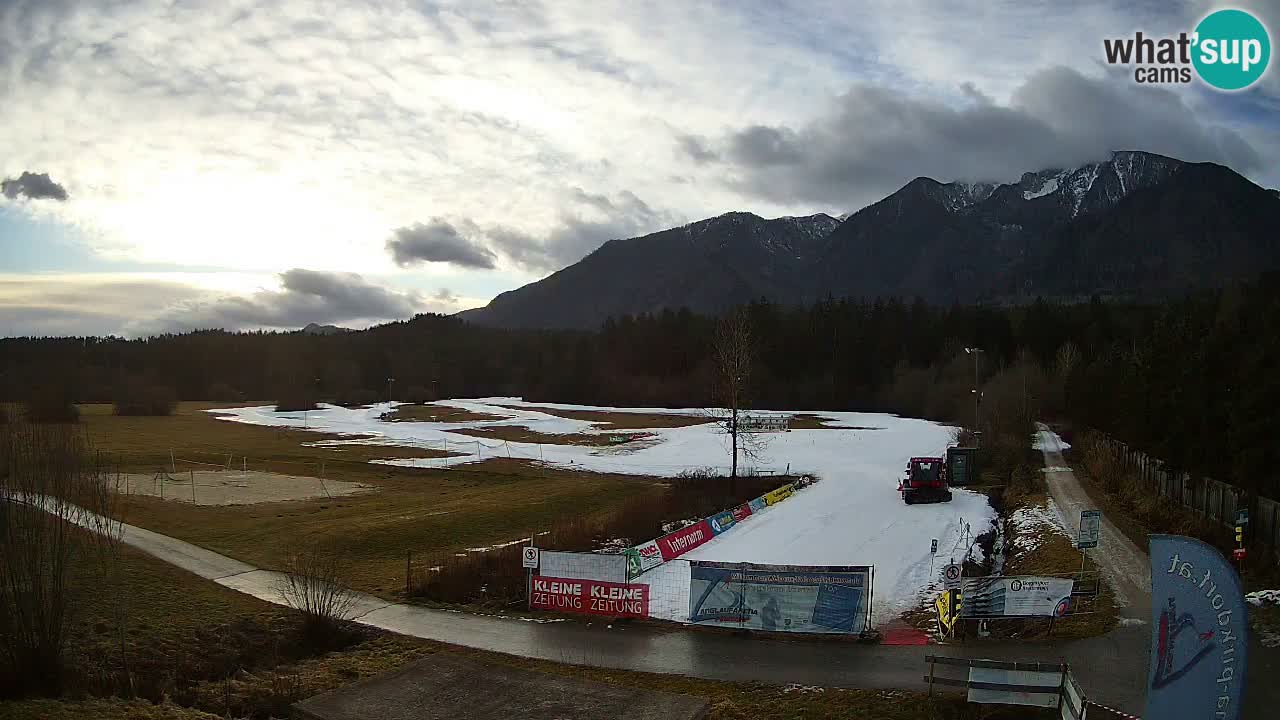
pixel 959 195
pixel 1077 190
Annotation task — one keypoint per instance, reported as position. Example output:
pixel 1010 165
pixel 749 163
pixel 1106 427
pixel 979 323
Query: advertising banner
pixel 758 504
pixel 590 597
pixel 643 558
pixel 764 423
pixel 675 544
pixel 742 512
pixel 773 497
pixel 1199 632
pixel 779 598
pixel 1015 596
pixel 585 566
pixel 722 521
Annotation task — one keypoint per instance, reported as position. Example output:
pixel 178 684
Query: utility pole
pixel 389 381
pixel 977 425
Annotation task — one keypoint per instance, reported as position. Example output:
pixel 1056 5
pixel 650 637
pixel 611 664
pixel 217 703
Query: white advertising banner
pixel 1015 596
pixel 583 566
pixel 643 558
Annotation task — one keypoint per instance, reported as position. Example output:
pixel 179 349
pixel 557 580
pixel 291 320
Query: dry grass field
pixel 421 510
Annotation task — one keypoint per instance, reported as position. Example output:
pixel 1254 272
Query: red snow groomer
pixel 926 481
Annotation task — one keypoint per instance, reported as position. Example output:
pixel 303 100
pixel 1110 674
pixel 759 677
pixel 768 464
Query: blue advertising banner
pixel 722 521
pixel 1199 632
pixel 779 598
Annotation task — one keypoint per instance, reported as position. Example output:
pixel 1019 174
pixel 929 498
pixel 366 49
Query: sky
pixel 177 164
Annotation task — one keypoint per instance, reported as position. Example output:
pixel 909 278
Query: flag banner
pixel 1199 632
pixel 779 598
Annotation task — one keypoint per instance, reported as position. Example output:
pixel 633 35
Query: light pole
pixel 389 381
pixel 977 432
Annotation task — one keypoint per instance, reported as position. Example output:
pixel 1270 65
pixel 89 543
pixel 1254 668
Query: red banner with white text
pixel 675 544
pixel 591 597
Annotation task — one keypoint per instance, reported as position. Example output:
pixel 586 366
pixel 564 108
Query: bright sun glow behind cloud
pixel 259 137
pixel 252 221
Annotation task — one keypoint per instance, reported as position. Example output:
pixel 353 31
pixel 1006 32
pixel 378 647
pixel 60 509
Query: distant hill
pixel 318 329
pixel 1138 225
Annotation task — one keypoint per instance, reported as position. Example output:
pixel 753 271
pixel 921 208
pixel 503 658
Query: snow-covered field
pixel 854 516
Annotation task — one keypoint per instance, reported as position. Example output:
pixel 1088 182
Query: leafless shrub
pixel 51 404
pixel 140 398
pixel 312 583
pixel 51 488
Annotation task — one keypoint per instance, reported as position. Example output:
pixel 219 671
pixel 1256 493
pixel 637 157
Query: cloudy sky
pixel 171 164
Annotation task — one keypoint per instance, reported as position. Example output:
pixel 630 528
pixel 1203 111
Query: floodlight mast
pixel 976 352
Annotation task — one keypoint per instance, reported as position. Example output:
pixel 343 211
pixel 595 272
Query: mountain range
pixel 1138 226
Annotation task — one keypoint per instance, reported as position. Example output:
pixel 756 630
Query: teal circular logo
pixel 1232 49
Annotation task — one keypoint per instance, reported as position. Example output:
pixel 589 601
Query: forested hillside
pixel 1193 381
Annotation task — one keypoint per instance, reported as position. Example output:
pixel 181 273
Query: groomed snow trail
pixel 853 516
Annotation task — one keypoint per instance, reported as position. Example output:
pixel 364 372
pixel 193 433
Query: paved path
pixel 682 651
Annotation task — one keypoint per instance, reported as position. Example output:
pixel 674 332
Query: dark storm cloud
pixel 574 237
pixel 439 241
pixel 877 139
pixel 695 147
pixel 36 186
pixel 306 296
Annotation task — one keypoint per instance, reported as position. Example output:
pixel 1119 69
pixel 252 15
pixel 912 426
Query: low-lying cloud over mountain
pixel 875 139
pixel 305 296
pixel 121 304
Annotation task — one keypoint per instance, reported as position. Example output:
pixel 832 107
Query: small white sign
pixel 530 558
pixel 1090 529
pixel 951 576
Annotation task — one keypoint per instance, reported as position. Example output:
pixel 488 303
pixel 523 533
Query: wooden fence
pixel 1214 500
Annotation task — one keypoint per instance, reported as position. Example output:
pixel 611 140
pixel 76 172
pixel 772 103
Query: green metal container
pixel 962 466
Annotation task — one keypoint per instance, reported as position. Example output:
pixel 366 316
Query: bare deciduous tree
pixel 733 348
pixel 312 583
